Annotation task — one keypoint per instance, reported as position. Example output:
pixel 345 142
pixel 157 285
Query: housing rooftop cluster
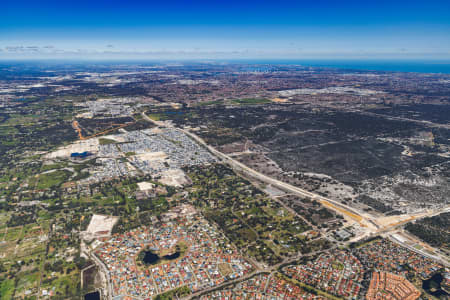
pixel 207 261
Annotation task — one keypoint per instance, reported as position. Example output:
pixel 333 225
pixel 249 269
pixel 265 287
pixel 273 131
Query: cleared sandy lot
pixel 100 226
pixel 90 145
pixel 174 177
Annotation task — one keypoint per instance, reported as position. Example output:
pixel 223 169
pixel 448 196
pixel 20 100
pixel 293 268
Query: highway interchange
pixel 372 226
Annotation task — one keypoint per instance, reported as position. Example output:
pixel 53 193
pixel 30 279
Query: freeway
pixel 345 210
pixel 373 227
pixel 437 257
pixel 412 217
pixel 341 208
pixel 372 224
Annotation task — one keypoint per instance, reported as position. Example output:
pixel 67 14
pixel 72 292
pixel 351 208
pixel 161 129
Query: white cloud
pixel 146 52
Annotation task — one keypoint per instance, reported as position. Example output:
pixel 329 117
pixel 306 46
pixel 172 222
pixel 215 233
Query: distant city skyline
pixel 227 29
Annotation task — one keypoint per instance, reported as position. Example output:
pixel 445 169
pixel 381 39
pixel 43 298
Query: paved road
pixel 288 260
pixel 41 271
pixel 418 216
pixel 362 218
pixel 423 122
pixel 104 273
pixel 439 259
pixel 349 211
pixel 264 178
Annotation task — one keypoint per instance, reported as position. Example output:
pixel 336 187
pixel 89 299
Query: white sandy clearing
pixel 90 145
pixel 151 156
pixel 174 177
pixel 145 186
pixel 101 225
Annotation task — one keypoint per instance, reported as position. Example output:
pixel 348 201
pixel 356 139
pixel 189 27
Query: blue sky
pixel 225 29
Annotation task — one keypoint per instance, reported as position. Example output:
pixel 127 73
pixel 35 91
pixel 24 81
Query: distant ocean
pixel 419 66
pixel 400 65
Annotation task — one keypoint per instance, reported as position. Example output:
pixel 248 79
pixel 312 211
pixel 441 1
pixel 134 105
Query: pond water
pixel 433 285
pixel 92 296
pixel 172 256
pixel 152 258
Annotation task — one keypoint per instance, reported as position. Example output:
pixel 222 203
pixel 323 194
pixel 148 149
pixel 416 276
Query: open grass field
pixel 58 165
pixel 7 249
pixel 32 230
pixel 250 101
pixel 27 282
pixel 106 141
pixel 6 289
pixel 67 286
pixel 52 179
pixel 157 117
pixel 30 247
pixel 13 233
pixel 4 217
pixel 174 294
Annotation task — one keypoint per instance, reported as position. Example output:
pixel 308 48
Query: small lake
pixel 433 285
pixel 173 112
pixel 172 256
pixel 92 296
pixel 151 258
